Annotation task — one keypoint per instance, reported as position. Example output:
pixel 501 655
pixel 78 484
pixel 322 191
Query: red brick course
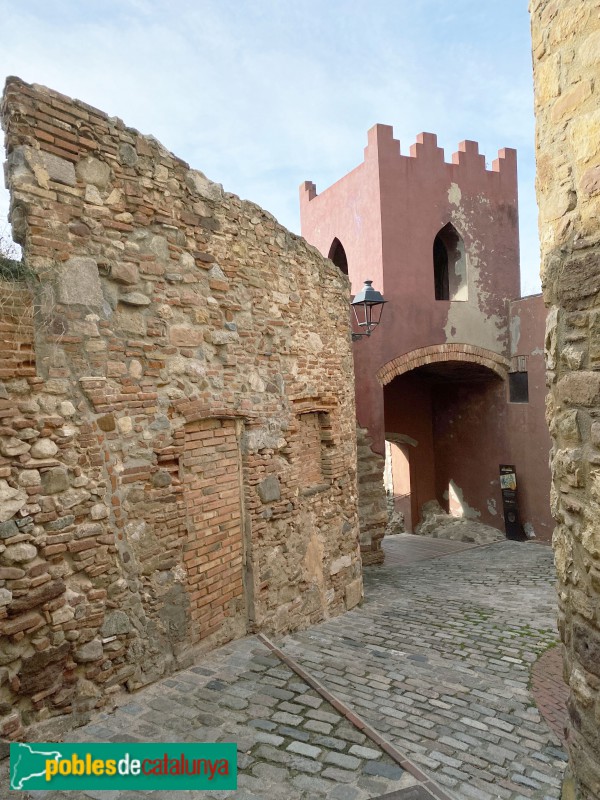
pixel 443 352
pixel 550 691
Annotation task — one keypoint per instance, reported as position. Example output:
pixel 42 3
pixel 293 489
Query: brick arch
pixel 436 353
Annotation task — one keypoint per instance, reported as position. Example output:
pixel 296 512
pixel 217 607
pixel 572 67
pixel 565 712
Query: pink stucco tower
pixel 442 379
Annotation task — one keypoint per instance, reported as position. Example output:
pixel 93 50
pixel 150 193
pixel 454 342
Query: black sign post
pixel 508 485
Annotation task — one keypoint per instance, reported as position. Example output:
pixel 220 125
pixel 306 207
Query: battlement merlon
pixel 308 191
pixel 381 146
pixel 381 142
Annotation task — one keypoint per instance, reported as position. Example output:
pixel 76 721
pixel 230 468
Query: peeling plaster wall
pixel 528 436
pixel 410 198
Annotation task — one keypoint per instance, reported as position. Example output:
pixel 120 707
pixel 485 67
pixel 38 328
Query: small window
pixel 518 387
pixel 440 269
pixel 449 265
pixel 338 255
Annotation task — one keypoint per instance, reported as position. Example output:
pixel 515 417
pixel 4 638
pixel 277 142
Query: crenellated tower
pixel 440 239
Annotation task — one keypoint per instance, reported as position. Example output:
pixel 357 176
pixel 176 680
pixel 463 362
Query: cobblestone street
pixel 437 660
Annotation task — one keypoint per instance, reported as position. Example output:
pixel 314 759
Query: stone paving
pixel 292 745
pixel 438 659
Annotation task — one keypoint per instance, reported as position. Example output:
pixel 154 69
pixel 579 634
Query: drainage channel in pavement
pixel 426 791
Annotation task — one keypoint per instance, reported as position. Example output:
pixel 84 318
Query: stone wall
pixel 566 43
pixel 180 467
pixel 373 510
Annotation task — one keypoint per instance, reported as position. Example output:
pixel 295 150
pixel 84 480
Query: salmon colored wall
pixel 469 429
pixel 529 438
pixel 408 411
pixel 400 468
pixel 386 213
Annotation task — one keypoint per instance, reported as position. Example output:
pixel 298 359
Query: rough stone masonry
pixel 177 423
pixel 566 50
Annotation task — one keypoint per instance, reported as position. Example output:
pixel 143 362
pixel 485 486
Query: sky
pixel 261 95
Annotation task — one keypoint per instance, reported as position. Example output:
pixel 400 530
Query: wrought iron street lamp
pixel 368 307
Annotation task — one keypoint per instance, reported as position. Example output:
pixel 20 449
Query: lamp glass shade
pixel 368 307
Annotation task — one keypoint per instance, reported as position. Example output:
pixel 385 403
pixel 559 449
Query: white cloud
pixel 263 94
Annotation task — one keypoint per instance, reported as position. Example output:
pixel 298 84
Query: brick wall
pixel 213 552
pixel 17 358
pixel 168 310
pixel 309 448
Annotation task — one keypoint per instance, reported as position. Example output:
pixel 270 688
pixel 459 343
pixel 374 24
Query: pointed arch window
pixel 337 254
pixel 449 265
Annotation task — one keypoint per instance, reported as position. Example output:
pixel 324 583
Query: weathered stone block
pixel 185 336
pixel 122 272
pixel 43 670
pixel 44 448
pixel 11 573
pixel 127 154
pixel 579 389
pixel 5 597
pixel 23 551
pixel 99 511
pixel 354 593
pixel 269 489
pixel 59 169
pixel 8 529
pixel 55 480
pixel 578 285
pixel 107 422
pixel 586 644
pixel 10 446
pixel 92 170
pixel 134 299
pixel 220 338
pixel 340 563
pixel 79 283
pixel 11 501
pixel 161 479
pixel 130 320
pixel 21 623
pixel 200 184
pixel 92 651
pixel 115 623
pixel 30 477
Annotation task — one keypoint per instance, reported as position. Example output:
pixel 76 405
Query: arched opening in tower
pixel 337 254
pixel 449 265
pixel 451 415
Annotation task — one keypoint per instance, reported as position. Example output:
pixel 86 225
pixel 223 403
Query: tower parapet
pixel 426 155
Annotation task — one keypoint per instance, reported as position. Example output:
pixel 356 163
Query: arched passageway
pixel 451 410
